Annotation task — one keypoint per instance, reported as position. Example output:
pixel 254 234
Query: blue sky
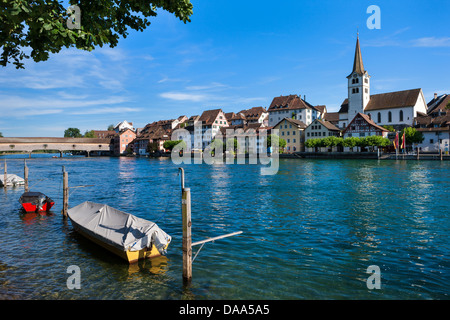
pixel 234 55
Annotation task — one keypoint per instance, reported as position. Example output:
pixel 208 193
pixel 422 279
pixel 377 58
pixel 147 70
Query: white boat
pixel 11 180
pixel 124 234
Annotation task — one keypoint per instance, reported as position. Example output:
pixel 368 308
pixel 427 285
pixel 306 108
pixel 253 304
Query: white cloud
pixel 182 96
pixel 432 42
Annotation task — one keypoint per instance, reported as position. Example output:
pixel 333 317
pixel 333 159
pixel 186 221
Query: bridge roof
pixel 12 140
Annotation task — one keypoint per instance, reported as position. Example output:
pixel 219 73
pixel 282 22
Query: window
pixel 400 115
pixel 366 90
pixel 293 133
pixel 282 133
pixel 366 80
pixel 355 90
pixel 389 116
pixel 307 134
pixel 293 140
pixel 288 140
pixel 431 140
pixel 379 117
pixel 288 132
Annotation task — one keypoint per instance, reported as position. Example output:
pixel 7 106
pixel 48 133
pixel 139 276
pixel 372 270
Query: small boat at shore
pixel 35 202
pixel 124 234
pixel 11 180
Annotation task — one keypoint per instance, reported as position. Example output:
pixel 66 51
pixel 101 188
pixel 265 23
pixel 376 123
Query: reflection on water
pixel 314 227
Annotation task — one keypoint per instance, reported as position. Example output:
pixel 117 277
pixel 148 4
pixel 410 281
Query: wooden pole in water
pixel 441 153
pixel 25 175
pixel 187 235
pixel 65 193
pixel 5 177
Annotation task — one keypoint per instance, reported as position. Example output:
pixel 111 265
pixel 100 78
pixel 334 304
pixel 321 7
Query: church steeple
pixel 358 85
pixel 358 66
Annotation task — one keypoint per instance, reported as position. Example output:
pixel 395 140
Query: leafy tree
pixel 89 134
pixel 389 127
pixel 273 138
pixel 111 127
pixel 72 133
pixel 1 135
pixel 42 25
pixel 411 135
pixel 448 106
pixel 170 144
pixel 377 141
pixel 152 147
pixel 216 144
pixel 350 142
pixel 233 142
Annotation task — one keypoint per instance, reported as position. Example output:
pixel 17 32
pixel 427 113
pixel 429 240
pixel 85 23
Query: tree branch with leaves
pixel 41 25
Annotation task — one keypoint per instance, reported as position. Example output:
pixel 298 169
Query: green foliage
pixel 216 144
pixel 42 25
pixel 170 144
pixel 152 147
pixel 273 139
pixel 411 135
pixel 72 133
pixel 232 142
pixel 350 142
pixel 448 106
pixel 111 127
pixel 389 127
pixel 89 134
pixel 1 135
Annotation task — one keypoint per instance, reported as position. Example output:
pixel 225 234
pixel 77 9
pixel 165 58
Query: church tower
pixel 358 85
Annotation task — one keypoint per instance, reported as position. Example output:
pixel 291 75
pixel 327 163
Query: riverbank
pixel 364 155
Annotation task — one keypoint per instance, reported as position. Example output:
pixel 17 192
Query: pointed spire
pixel 358 65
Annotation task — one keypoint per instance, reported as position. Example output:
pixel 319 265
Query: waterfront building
pixel 363 126
pixel 435 125
pixel 155 133
pixel 397 109
pixel 293 131
pixel 122 141
pixel 321 129
pixel 292 106
pixel 207 126
pixel 123 125
pixel 332 117
pixel 104 134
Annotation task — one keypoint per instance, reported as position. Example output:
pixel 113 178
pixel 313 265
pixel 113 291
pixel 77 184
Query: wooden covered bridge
pixel 58 144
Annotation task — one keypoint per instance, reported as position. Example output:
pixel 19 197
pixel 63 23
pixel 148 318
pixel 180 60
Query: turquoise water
pixel 309 232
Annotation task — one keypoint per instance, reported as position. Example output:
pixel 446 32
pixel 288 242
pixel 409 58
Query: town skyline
pixel 175 69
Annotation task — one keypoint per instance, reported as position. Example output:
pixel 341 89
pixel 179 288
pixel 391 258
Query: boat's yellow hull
pixel 129 256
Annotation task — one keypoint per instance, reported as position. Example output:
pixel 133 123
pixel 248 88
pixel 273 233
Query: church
pixel 397 109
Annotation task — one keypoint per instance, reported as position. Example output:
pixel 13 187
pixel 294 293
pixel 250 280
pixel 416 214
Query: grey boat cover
pixel 11 180
pixel 117 228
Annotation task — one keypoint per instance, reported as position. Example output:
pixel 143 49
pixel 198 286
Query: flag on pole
pixel 396 141
pixel 403 141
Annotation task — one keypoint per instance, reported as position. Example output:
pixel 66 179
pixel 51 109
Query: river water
pixel 309 232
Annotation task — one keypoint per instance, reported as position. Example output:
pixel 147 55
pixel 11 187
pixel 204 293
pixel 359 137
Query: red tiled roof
pixel 290 102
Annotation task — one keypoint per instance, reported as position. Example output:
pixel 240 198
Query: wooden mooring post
pixel 65 193
pixel 5 177
pixel 25 176
pixel 187 234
